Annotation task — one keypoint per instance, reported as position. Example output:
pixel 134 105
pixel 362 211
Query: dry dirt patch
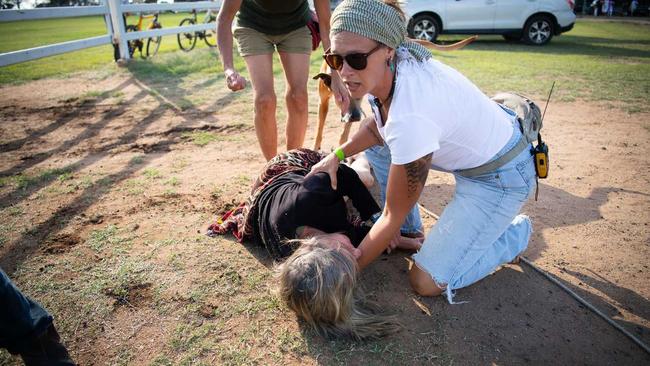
pixel 107 190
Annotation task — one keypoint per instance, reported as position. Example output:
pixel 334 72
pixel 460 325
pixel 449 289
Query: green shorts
pixel 251 42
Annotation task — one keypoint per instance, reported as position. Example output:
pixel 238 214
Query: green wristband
pixel 339 154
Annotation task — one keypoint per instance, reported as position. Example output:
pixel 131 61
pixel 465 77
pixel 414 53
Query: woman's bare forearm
pixel 405 184
pixel 367 136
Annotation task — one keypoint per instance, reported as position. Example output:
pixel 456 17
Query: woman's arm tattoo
pixel 417 172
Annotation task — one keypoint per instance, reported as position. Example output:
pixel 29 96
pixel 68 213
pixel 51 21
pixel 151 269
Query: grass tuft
pixel 199 138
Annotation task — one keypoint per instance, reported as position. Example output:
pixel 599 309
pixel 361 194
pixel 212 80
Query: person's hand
pixel 234 80
pixel 330 165
pixel 334 240
pixel 341 93
pixel 404 243
pixel 346 244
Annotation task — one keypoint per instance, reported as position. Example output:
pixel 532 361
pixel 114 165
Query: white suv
pixel 533 21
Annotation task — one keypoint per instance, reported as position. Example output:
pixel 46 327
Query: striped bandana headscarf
pixel 375 20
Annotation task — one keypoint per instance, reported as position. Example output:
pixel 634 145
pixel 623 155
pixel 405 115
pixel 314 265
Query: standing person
pixel 261 27
pixel 610 7
pixel 26 329
pixel 432 117
pixel 633 5
pixel 596 6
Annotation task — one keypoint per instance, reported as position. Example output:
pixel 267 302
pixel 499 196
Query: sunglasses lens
pixel 334 61
pixel 357 61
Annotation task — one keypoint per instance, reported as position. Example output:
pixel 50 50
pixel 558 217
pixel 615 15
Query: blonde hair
pixel 395 5
pixel 320 284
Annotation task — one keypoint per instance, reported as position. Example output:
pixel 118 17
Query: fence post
pixel 119 28
pixel 107 21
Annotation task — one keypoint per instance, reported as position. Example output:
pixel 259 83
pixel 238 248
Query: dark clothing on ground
pixel 284 200
pixel 26 328
pixel 293 201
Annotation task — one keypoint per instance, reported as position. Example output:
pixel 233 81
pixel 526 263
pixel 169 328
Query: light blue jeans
pixel 481 229
pixel 379 158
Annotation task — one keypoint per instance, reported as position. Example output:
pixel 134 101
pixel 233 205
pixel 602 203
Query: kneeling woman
pixel 307 221
pixel 431 117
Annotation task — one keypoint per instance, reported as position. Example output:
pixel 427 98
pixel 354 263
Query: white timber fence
pixel 113 11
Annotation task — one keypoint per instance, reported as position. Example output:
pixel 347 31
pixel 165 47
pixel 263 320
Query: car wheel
pixel 424 27
pixel 538 31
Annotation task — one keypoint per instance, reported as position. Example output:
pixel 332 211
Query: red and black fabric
pixel 314 28
pixel 237 221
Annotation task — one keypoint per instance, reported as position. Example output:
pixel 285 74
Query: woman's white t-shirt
pixel 435 109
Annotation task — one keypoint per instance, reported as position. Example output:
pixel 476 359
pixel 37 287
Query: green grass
pixel 108 237
pixel 602 61
pixel 25 181
pixel 200 138
pixel 32 33
pixel 152 173
pixel 137 160
pixel 595 61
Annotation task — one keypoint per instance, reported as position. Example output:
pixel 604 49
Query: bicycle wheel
pixel 135 43
pixel 210 35
pixel 186 40
pixel 153 43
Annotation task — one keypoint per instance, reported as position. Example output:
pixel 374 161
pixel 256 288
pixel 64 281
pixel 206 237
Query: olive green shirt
pixel 273 17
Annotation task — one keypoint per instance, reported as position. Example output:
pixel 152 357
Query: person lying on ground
pixel 308 222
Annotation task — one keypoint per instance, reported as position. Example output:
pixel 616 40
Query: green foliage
pixel 199 138
pixel 108 237
pixel 152 173
pixel 24 181
pixel 137 160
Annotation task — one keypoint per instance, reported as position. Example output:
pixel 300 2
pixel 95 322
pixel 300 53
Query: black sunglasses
pixel 357 61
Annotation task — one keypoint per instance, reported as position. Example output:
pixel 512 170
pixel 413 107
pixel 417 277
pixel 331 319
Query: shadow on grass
pixel 61 121
pixel 163 78
pixel 165 74
pixel 16 252
pixel 583 210
pixel 436 196
pixel 628 299
pixel 91 131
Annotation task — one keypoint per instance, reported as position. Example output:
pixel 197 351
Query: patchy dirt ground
pixel 107 189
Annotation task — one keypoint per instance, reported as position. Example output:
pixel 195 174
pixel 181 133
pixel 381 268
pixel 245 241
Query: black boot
pixel 46 350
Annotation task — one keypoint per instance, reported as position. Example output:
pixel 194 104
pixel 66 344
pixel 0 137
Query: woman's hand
pixel 330 165
pixel 404 243
pixel 234 80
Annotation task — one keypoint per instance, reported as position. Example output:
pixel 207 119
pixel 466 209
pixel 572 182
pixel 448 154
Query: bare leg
pixel 260 68
pixel 422 283
pixel 362 167
pixel 296 71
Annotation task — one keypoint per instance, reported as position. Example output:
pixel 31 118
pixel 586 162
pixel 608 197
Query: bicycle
pixel 187 40
pixel 153 43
